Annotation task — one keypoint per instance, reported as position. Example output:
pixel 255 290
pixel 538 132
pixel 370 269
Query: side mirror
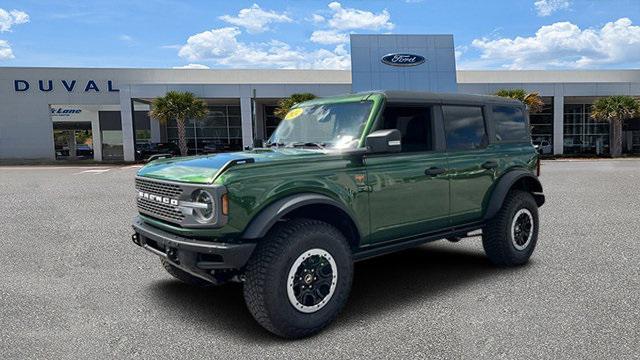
pixel 384 141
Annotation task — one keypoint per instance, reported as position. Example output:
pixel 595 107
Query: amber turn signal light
pixel 225 204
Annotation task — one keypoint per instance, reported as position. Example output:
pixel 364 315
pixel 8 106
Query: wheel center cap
pixel 308 278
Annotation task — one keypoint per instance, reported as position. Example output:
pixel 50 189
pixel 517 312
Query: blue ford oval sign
pixel 403 59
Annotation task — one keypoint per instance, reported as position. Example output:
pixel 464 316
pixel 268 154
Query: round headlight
pixel 204 214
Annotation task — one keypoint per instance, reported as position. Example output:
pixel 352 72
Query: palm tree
pixel 284 105
pixel 615 110
pixel 532 99
pixel 178 106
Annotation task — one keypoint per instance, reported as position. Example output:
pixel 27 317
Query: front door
pixel 409 191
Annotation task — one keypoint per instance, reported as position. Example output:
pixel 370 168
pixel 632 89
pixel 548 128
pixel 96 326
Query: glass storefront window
pixel 141 123
pixel 143 135
pixel 542 125
pixel 73 140
pixel 112 145
pixel 220 131
pixel 111 135
pixel 582 134
pixel 635 141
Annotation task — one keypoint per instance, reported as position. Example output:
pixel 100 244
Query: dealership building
pixel 102 114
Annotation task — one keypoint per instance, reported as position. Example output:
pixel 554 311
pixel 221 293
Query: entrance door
pixel 410 190
pixel 73 140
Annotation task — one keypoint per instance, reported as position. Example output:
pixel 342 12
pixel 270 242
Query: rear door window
pixel 509 123
pixel 464 127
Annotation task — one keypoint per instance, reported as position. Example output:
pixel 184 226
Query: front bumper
pixel 199 258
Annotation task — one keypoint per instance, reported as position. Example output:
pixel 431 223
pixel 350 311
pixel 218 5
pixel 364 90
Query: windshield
pixel 337 125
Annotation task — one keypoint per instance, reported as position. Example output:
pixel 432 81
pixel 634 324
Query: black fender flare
pixel 272 213
pixel 505 183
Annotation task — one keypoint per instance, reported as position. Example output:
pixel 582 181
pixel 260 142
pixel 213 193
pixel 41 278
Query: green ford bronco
pixel 343 179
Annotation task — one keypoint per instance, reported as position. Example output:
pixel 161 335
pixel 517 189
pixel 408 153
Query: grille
pixel 165 211
pixel 158 188
pixel 155 208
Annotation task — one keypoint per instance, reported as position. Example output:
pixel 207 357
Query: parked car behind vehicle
pixel 212 147
pixel 83 151
pixel 543 147
pixel 145 150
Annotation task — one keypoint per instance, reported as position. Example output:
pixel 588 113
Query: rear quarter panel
pixel 512 156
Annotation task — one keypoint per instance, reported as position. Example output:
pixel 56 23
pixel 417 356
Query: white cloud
pixel 548 7
pixel 565 45
pixel 339 58
pixel 10 18
pixel 5 50
pixel 329 37
pixel 342 20
pixel 192 66
pixel 222 47
pixel 351 19
pixel 210 44
pixel 255 19
pixel 317 18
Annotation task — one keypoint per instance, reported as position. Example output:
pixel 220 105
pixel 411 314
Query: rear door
pixel 409 191
pixel 473 161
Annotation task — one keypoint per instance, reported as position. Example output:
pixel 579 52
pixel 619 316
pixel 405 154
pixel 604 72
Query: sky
pixel 314 34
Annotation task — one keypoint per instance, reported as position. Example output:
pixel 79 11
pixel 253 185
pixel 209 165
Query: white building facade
pixel 102 114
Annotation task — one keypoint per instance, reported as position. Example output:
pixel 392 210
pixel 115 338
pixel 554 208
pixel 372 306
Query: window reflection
pixel 220 131
pixel 582 134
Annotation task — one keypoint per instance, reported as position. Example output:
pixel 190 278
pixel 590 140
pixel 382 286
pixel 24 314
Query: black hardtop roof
pixel 420 96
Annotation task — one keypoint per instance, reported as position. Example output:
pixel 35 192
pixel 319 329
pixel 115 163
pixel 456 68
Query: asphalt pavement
pixel 74 285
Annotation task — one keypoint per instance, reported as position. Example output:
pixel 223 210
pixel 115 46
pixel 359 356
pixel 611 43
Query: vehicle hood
pixel 205 169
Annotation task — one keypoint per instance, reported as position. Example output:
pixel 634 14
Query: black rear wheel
pixel 511 236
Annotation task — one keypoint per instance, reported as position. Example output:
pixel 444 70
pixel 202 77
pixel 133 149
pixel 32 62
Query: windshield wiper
pixel 321 145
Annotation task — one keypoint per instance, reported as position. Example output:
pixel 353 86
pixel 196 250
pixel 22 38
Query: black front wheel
pixel 299 278
pixel 510 238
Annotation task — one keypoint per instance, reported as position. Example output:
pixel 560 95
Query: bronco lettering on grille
pixel 157 198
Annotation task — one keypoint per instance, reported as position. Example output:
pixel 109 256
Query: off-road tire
pixel 267 273
pixel 497 237
pixel 183 275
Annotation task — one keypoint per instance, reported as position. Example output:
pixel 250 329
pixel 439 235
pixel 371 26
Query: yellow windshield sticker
pixel 294 113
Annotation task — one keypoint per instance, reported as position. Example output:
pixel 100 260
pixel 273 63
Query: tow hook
pixel 136 239
pixel 172 254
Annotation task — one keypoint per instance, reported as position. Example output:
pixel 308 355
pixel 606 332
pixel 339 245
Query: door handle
pixel 434 171
pixel 490 165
